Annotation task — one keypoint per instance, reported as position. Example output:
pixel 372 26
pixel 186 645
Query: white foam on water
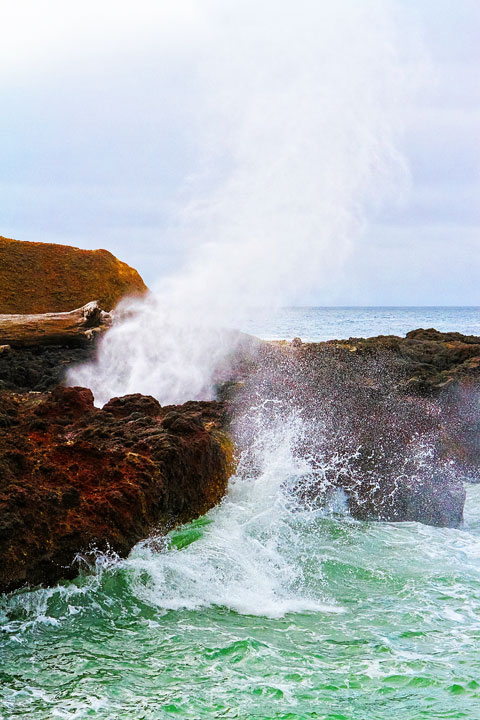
pixel 251 557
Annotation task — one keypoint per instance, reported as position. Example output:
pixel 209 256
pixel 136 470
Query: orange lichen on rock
pixel 43 277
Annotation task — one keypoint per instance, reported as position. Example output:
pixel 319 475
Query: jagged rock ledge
pixel 426 361
pixel 75 478
pixel 78 479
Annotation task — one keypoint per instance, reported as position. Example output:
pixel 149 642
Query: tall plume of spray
pixel 300 107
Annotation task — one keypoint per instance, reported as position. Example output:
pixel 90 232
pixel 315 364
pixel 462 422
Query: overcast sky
pixel 100 134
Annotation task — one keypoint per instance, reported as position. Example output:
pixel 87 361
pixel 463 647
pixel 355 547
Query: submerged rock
pixel 45 277
pixel 77 479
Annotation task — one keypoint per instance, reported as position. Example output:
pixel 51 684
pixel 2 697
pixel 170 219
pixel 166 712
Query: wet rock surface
pixel 426 361
pixel 78 479
pixel 393 422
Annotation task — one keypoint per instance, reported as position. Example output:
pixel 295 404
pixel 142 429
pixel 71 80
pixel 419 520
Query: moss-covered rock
pixel 44 277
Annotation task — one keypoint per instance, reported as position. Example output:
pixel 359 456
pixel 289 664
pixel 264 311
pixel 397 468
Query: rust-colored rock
pixel 74 478
pixel 45 277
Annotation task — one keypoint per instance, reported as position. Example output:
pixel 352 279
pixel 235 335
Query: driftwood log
pixel 78 327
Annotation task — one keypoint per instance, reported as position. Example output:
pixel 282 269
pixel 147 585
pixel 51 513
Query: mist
pixel 298 122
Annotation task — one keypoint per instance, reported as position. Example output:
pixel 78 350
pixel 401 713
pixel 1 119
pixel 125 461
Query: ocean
pixel 266 607
pixel 315 324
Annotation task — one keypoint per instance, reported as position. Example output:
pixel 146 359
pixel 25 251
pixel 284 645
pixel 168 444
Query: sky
pixel 111 113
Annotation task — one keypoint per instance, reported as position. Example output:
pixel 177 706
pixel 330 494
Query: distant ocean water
pixel 315 324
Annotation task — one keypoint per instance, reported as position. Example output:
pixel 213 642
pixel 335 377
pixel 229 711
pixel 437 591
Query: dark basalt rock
pixel 429 499
pixel 39 368
pixel 135 404
pixel 74 478
pixel 393 422
pixel 426 361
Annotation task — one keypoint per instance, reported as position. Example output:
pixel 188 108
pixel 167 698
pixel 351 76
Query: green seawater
pixel 329 619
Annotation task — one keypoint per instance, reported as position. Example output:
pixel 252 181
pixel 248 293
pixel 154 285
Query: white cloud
pixel 109 107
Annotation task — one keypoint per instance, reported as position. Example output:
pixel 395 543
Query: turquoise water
pixel 398 636
pixel 267 607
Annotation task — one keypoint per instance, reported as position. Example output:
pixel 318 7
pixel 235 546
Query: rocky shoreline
pixel 76 479
pixel 392 422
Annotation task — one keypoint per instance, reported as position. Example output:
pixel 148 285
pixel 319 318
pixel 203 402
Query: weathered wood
pixel 78 327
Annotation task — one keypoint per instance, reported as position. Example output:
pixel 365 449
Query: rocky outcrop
pixel 427 361
pixel 77 479
pixel 45 277
pixel 39 368
pixel 391 421
pixel 443 369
